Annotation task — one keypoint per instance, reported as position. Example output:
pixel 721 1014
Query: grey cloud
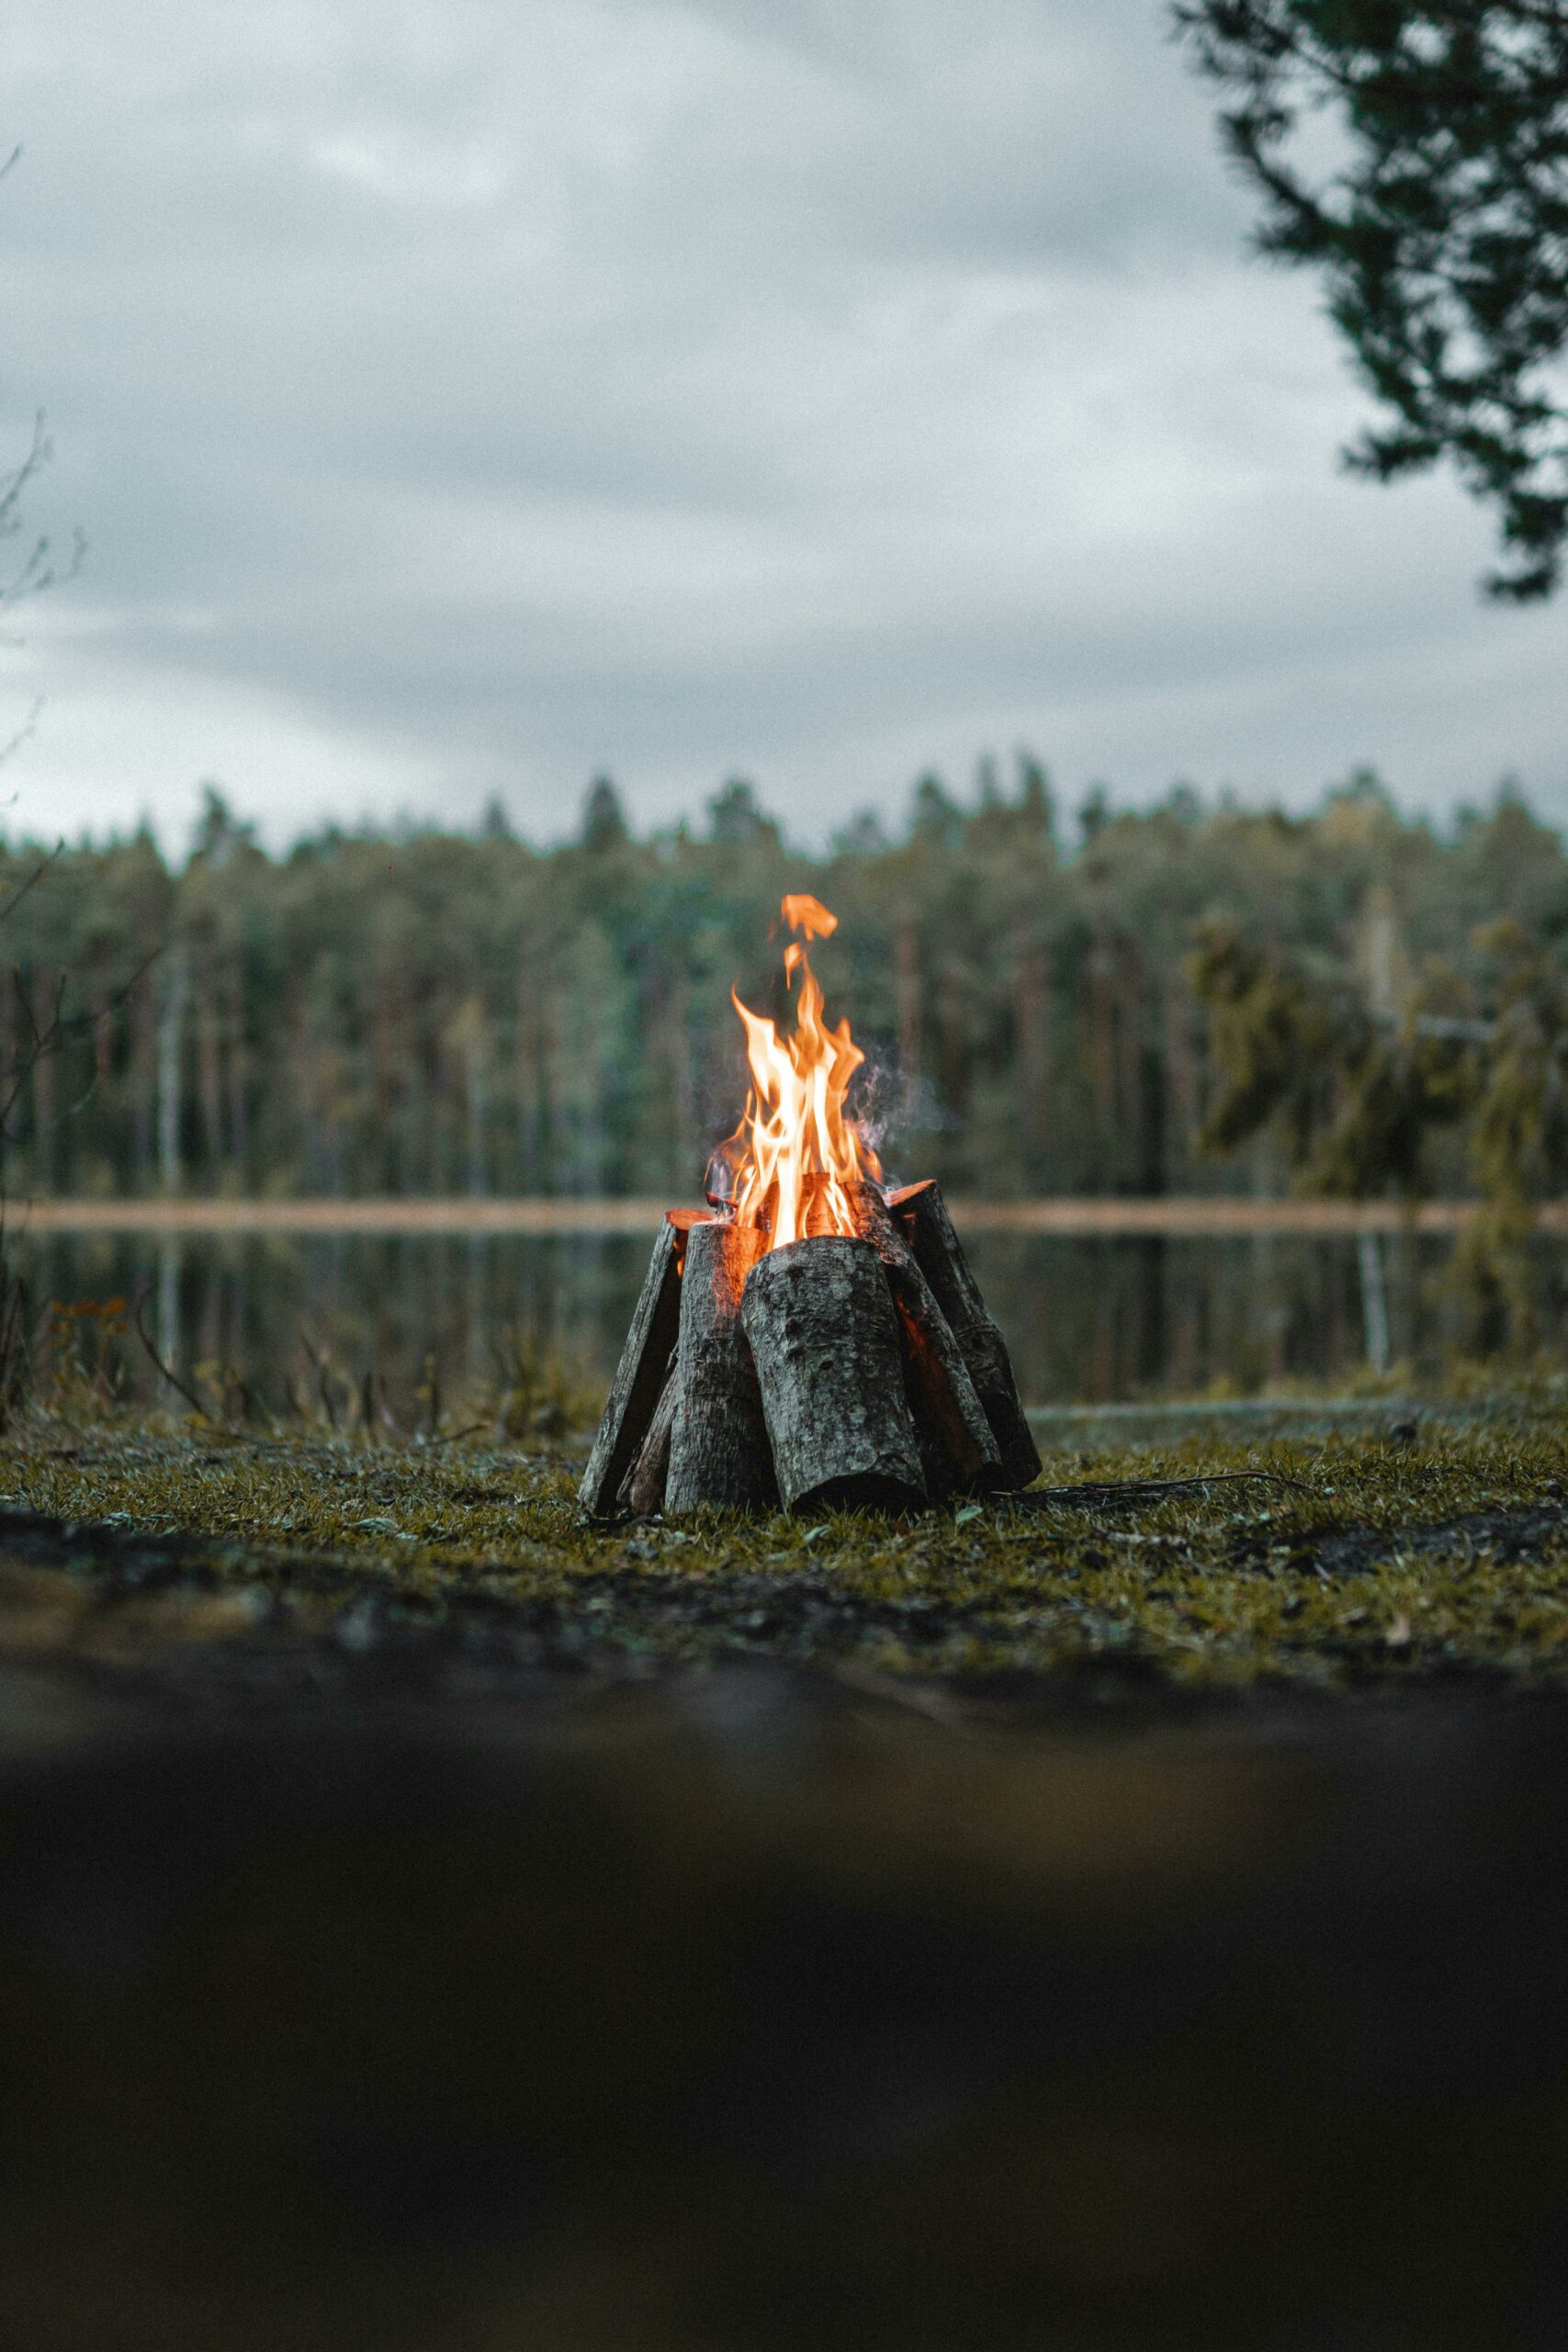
pixel 497 392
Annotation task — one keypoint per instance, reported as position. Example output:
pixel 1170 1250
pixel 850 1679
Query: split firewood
pixel 824 1337
pixel 719 1445
pixel 641 1490
pixel 639 1376
pixel 921 1214
pixel 959 1452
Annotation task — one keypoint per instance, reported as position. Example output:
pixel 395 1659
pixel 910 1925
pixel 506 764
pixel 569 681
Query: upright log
pixel 641 1491
pixel 921 1212
pixel 718 1443
pixel 824 1337
pixel 958 1449
pixel 640 1377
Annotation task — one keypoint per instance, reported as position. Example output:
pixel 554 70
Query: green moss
pixel 1369 1556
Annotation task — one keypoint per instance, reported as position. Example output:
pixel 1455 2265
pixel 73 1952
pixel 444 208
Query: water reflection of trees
pixel 1088 1319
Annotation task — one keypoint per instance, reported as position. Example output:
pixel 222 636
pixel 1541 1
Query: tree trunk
pixel 1032 1021
pixel 718 1448
pixel 1101 995
pixel 44 1136
pixel 906 996
pixel 921 1212
pixel 209 1070
pixel 239 1122
pixel 824 1337
pixel 143 1077
pixel 684 1129
pixel 1182 1078
pixel 171 1020
pixel 477 1072
pixel 958 1055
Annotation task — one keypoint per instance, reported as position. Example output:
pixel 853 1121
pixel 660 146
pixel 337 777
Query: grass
pixel 1439 1549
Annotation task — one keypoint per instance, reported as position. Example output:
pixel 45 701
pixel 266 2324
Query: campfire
pixel 813 1338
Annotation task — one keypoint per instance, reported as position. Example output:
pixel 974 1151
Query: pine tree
pixel 1442 240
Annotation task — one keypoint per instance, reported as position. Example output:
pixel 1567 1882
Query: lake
pixel 1090 1318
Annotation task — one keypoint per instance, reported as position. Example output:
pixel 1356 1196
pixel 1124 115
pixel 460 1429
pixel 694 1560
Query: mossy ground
pixel 1439 1547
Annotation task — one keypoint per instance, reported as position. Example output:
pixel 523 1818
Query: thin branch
pixel 39 451
pixel 27 730
pixel 59 1031
pixel 34 878
pixel 322 1364
pixel 38 572
pixel 1141 1491
pixel 383 1406
pixel 159 1365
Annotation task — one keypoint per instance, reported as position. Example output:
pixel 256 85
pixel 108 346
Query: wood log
pixel 921 1213
pixel 641 1490
pixel 718 1446
pixel 639 1376
pixel 958 1449
pixel 824 1338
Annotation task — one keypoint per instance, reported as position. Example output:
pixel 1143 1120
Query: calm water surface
pixel 1088 1319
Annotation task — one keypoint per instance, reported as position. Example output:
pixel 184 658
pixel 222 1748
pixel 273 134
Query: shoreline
pixel 1180 1215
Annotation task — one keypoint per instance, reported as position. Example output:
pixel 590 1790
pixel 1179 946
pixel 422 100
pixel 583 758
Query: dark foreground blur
pixel 368 2004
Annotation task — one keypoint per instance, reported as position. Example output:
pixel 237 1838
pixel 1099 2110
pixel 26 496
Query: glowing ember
pixel 794 1154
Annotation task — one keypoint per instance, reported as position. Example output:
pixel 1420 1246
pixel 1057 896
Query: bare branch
pixel 39 452
pixel 27 728
pixel 38 569
pixel 55 1030
pixel 34 878
pixel 158 1364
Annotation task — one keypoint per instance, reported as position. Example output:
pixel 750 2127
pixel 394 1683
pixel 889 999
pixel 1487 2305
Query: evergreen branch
pixel 1446 231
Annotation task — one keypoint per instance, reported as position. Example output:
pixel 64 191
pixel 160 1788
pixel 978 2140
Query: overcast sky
pixel 463 399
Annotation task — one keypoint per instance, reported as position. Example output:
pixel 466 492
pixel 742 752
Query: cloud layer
pixel 461 401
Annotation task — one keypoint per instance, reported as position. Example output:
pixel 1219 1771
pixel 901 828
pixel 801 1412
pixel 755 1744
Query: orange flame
pixel 794 1154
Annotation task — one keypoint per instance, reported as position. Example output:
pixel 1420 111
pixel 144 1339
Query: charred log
pixel 824 1337
pixel 958 1451
pixel 719 1452
pixel 921 1213
pixel 639 1376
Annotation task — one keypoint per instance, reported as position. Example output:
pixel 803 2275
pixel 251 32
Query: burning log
pixel 824 1337
pixel 921 1212
pixel 957 1449
pixel 718 1446
pixel 640 1374
pixel 812 1345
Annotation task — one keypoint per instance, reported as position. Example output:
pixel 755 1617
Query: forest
pixel 424 1011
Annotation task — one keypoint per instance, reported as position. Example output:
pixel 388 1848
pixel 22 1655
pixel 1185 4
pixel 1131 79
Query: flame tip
pixel 795 1155
pixel 801 911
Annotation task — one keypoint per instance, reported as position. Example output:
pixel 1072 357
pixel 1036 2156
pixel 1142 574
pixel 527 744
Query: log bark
pixel 719 1452
pixel 921 1213
pixel 958 1449
pixel 642 1490
pixel 639 1376
pixel 824 1336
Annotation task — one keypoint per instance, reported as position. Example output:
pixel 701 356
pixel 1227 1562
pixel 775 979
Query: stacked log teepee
pixel 842 1370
